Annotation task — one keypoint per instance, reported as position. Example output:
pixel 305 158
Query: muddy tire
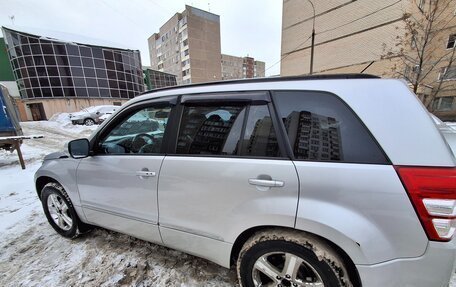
pixel 60 212
pixel 287 258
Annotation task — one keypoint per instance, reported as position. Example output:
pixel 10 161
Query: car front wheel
pixel 284 258
pixel 60 212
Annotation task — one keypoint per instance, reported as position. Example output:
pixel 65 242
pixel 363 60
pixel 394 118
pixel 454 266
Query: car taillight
pixel 433 194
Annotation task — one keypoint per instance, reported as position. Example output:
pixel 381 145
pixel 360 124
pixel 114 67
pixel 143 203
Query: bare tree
pixel 419 50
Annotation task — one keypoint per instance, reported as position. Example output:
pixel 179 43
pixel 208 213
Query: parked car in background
pixel 103 118
pixel 91 115
pixel 330 180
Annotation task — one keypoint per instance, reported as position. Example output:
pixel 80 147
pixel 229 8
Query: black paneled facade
pixel 46 68
pixel 156 79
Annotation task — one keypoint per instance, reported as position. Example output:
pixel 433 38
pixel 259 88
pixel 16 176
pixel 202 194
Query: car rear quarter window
pixel 321 127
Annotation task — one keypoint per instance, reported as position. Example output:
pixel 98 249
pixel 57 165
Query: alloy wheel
pixel 59 212
pixel 284 269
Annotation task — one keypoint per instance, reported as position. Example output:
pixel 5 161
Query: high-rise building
pixel 188 46
pixel 369 36
pixel 58 72
pixel 241 67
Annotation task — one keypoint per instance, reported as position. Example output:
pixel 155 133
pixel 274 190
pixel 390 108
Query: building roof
pixel 52 35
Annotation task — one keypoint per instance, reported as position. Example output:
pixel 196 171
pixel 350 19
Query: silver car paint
pixel 394 117
pixel 434 268
pixel 115 195
pixel 371 211
pixel 212 197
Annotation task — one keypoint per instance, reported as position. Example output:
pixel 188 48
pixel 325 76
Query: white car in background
pixel 104 118
pixel 91 115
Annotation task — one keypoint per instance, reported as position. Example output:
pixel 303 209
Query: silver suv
pixel 319 181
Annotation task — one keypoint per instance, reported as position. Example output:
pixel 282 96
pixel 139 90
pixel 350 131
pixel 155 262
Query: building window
pixel 186 73
pixel 447 74
pixel 451 41
pixel 444 104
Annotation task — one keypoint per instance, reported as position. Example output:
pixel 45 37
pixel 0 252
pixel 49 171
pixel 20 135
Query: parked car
pixel 90 116
pixel 334 180
pixel 103 118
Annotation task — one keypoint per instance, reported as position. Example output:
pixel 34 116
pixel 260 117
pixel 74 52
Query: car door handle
pixel 266 183
pixel 143 174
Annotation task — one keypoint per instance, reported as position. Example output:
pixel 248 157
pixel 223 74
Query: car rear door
pixel 118 183
pixel 228 173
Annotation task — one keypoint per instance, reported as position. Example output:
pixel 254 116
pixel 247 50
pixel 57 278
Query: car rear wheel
pixel 60 212
pixel 289 259
pixel 89 122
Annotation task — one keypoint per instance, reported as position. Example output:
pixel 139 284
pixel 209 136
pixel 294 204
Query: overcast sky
pixel 248 27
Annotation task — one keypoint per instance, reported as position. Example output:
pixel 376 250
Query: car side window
pixel 260 138
pixel 140 133
pixel 210 129
pixel 321 127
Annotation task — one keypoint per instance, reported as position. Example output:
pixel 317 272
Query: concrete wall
pixel 204 45
pixel 366 35
pixel 338 43
pixel 54 106
pixel 232 67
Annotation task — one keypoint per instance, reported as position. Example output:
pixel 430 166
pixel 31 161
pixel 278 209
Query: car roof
pixel 257 84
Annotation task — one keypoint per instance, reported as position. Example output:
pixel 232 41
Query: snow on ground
pixel 33 254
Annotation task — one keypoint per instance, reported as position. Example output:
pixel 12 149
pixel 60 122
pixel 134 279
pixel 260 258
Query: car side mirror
pixel 79 148
pixel 98 112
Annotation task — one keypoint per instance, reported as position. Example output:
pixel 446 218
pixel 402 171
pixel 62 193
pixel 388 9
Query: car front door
pixel 118 184
pixel 229 173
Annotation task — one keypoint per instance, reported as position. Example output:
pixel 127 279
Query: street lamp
pixel 313 39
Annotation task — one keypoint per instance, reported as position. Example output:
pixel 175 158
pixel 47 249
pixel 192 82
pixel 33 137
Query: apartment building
pixel 188 46
pixel 241 67
pixel 369 36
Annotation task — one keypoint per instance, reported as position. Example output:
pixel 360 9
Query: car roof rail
pixel 271 79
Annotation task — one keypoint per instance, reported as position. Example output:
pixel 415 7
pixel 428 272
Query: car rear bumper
pixel 433 269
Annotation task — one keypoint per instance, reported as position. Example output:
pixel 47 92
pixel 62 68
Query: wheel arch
pixel 42 181
pixel 246 234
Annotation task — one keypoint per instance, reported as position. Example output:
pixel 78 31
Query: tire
pixel 263 261
pixel 60 212
pixel 89 122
